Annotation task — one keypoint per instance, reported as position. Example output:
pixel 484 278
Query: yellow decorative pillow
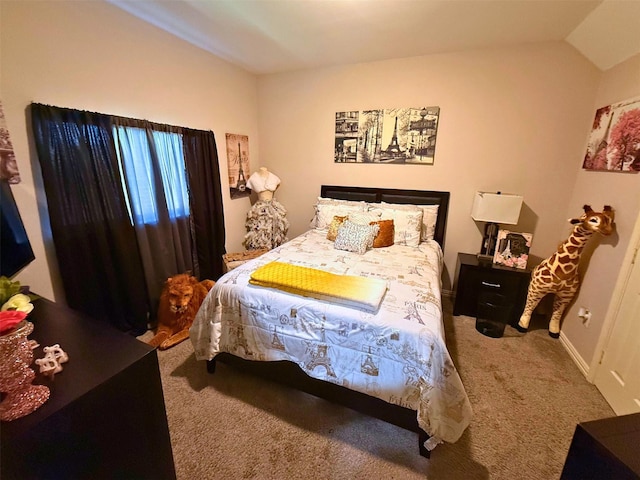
pixel 385 235
pixel 334 226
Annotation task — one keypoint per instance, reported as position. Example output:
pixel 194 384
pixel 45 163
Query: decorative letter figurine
pixel 50 364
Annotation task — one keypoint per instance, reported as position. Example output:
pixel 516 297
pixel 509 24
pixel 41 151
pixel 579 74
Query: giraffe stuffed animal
pixel 558 274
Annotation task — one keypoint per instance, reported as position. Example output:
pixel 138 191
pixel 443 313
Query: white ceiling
pixel 271 36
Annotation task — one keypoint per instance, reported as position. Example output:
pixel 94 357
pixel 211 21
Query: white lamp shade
pixel 496 207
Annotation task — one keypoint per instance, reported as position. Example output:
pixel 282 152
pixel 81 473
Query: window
pixel 152 173
pixel 104 177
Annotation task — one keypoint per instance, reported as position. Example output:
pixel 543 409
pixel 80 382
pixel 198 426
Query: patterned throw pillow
pixel 355 238
pixel 335 225
pixel 384 238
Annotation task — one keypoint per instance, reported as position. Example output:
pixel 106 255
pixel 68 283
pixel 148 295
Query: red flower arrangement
pixel 9 319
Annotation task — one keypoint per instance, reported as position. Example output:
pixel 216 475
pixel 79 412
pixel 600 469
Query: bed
pixel 390 360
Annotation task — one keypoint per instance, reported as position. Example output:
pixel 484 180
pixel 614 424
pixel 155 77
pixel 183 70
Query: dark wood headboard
pixel 392 195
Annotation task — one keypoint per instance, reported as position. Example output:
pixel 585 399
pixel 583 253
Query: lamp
pixel 494 208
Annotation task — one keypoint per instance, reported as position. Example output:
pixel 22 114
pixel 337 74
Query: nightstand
pixel 475 279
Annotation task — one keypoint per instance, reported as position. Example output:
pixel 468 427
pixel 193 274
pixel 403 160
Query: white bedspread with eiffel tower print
pixel 397 354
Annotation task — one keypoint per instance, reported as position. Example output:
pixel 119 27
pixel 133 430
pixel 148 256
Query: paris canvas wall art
pixel 397 135
pixel 238 164
pixel 614 141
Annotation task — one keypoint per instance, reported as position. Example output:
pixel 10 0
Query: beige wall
pixel 622 192
pixel 93 56
pixel 512 119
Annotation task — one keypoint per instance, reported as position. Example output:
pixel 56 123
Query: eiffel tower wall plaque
pixel 395 135
pixel 238 164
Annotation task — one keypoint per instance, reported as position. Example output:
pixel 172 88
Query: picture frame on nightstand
pixel 512 249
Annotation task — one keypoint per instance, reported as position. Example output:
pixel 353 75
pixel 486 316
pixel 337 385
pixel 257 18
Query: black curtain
pixel 94 240
pixel 205 196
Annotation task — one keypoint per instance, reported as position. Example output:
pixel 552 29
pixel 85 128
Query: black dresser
pixel 105 418
pixel 607 449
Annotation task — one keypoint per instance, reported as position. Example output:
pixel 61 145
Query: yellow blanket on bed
pixel 361 292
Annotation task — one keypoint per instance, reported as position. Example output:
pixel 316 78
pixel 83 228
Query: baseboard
pixel 575 356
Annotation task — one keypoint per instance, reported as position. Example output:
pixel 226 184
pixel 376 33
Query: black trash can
pixel 493 314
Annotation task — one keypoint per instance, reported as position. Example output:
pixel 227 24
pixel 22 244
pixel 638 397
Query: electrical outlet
pixel 584 314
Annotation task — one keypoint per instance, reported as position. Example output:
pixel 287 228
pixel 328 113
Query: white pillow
pixel 325 211
pixel 336 201
pixel 407 224
pixel 364 218
pixel 429 217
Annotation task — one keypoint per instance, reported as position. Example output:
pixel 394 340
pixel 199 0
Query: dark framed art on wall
pixel 396 135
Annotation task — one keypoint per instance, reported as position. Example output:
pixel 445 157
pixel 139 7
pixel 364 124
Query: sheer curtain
pixel 94 240
pixel 152 162
pixel 131 203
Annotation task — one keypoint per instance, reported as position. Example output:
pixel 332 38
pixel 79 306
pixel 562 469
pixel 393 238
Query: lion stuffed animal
pixel 180 300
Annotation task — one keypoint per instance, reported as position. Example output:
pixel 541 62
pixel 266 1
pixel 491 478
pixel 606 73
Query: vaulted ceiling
pixel 270 36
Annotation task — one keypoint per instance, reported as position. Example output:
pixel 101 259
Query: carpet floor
pixel 526 392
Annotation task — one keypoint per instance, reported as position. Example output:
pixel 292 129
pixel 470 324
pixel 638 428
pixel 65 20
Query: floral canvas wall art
pixel 614 141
